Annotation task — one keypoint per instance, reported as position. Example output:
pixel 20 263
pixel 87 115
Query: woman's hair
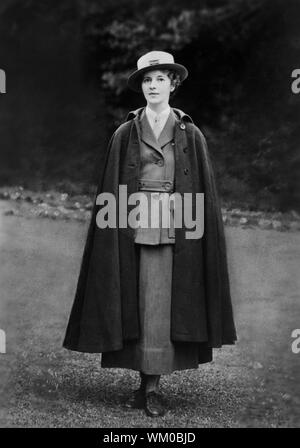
pixel 175 79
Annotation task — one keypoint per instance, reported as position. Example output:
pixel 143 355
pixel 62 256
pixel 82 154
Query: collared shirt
pixel 157 120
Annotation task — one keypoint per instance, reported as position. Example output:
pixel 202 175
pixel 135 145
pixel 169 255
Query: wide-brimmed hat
pixel 154 60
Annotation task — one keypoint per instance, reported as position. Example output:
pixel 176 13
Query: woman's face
pixel 156 87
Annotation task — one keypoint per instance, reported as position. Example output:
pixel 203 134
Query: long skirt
pixel 154 353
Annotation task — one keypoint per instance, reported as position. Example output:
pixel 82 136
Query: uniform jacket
pixel 157 162
pixel 105 308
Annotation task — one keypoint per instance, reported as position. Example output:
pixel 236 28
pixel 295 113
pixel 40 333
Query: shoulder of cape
pixel 123 128
pixel 200 134
pixel 179 114
pixel 121 133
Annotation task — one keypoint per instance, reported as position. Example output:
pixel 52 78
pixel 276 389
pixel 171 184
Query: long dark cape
pixel 105 309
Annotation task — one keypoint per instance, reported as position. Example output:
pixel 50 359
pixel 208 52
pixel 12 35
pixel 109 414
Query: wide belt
pixel 156 185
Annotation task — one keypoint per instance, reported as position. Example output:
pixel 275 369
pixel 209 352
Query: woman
pixel 154 298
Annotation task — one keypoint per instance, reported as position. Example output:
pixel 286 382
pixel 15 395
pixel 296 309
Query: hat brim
pixel 135 79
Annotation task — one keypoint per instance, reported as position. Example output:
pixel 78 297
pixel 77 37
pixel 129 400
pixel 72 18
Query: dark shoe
pixel 136 400
pixel 154 406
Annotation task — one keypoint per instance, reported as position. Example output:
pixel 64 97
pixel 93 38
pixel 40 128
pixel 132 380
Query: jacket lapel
pixel 167 133
pixel 147 134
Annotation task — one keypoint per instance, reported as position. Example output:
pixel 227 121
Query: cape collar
pixel 179 114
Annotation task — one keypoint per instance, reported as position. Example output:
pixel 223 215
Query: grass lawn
pixel 254 383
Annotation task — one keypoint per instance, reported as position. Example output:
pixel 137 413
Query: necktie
pixel 156 126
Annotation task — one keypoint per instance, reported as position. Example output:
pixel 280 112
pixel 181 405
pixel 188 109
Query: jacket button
pixel 184 149
pixel 182 126
pixel 186 171
pixel 173 143
pixel 160 162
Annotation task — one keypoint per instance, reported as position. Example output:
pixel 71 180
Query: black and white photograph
pixel 149 216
